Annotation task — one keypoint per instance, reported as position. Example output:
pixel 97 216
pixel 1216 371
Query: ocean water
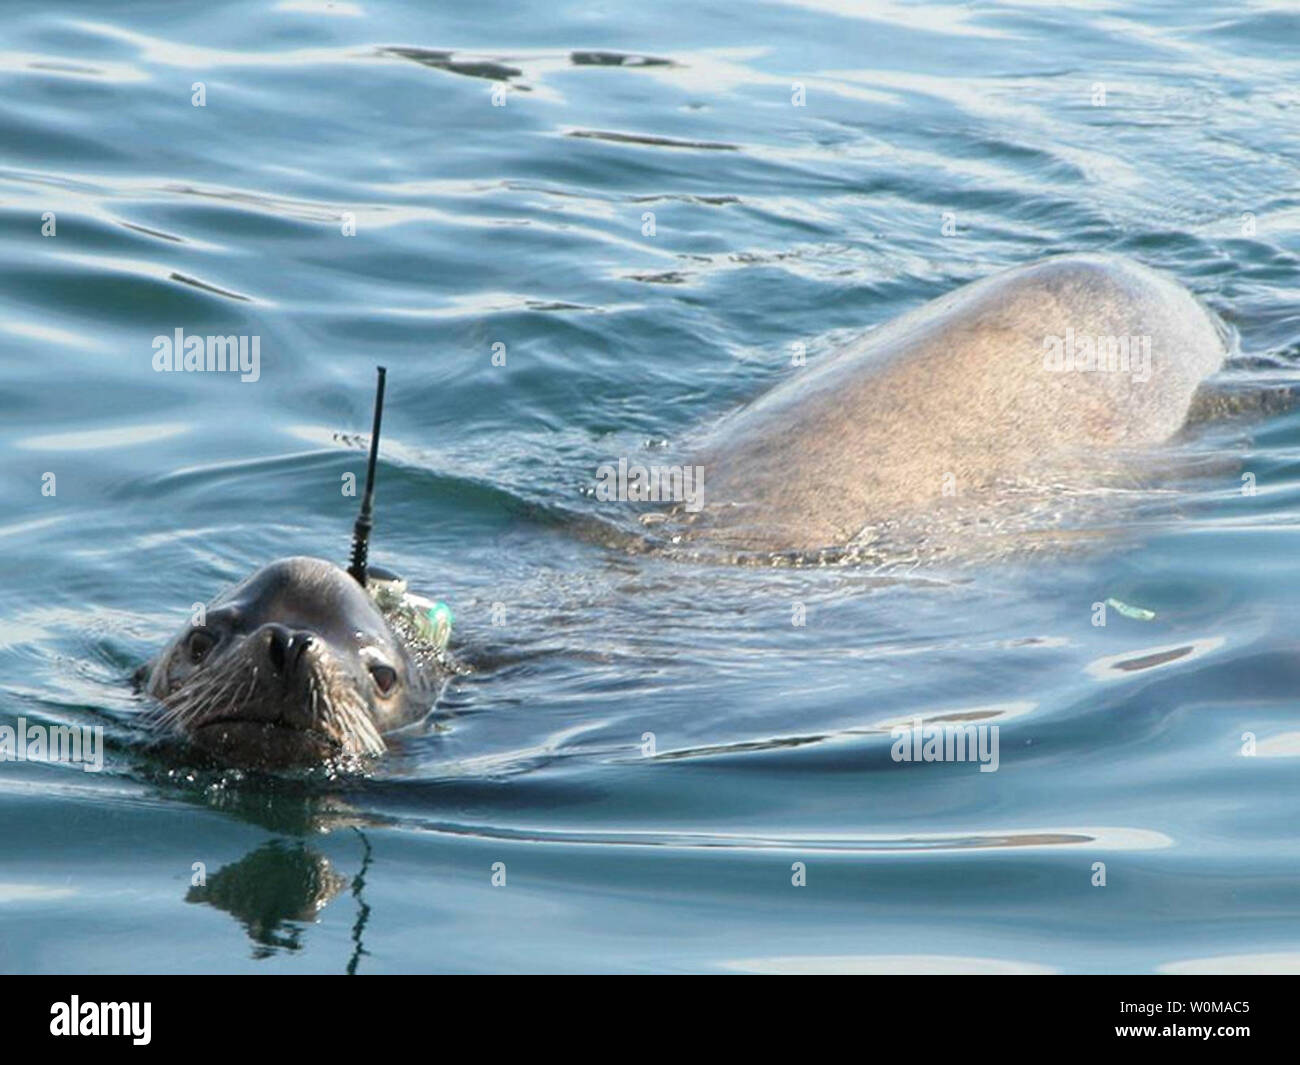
pixel 649 764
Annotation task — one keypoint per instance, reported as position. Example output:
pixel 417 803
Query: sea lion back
pixel 1025 376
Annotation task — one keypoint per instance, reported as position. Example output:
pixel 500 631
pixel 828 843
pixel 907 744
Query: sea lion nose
pixel 298 647
pixel 284 649
pixel 277 646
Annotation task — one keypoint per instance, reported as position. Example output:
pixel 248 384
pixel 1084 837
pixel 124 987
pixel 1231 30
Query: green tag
pixel 432 620
pixel 439 620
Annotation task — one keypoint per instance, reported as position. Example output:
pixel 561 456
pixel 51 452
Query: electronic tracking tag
pixel 432 619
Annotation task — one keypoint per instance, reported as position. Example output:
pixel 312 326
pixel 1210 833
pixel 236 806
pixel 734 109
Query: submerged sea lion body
pixel 297 665
pixel 920 427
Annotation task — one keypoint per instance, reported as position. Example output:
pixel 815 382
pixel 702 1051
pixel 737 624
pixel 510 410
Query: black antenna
pixel 361 530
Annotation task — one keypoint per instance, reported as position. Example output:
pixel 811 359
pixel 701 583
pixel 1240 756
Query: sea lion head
pixel 297 665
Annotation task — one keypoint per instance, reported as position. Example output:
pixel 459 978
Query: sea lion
pixel 953 418
pixel 299 665
pixel 959 413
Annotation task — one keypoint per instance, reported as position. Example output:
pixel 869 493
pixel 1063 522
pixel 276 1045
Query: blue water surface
pixel 647 754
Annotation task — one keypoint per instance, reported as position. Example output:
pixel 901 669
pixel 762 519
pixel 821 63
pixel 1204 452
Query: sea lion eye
pixel 385 677
pixel 200 643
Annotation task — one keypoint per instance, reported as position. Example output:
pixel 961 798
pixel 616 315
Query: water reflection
pixel 272 891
